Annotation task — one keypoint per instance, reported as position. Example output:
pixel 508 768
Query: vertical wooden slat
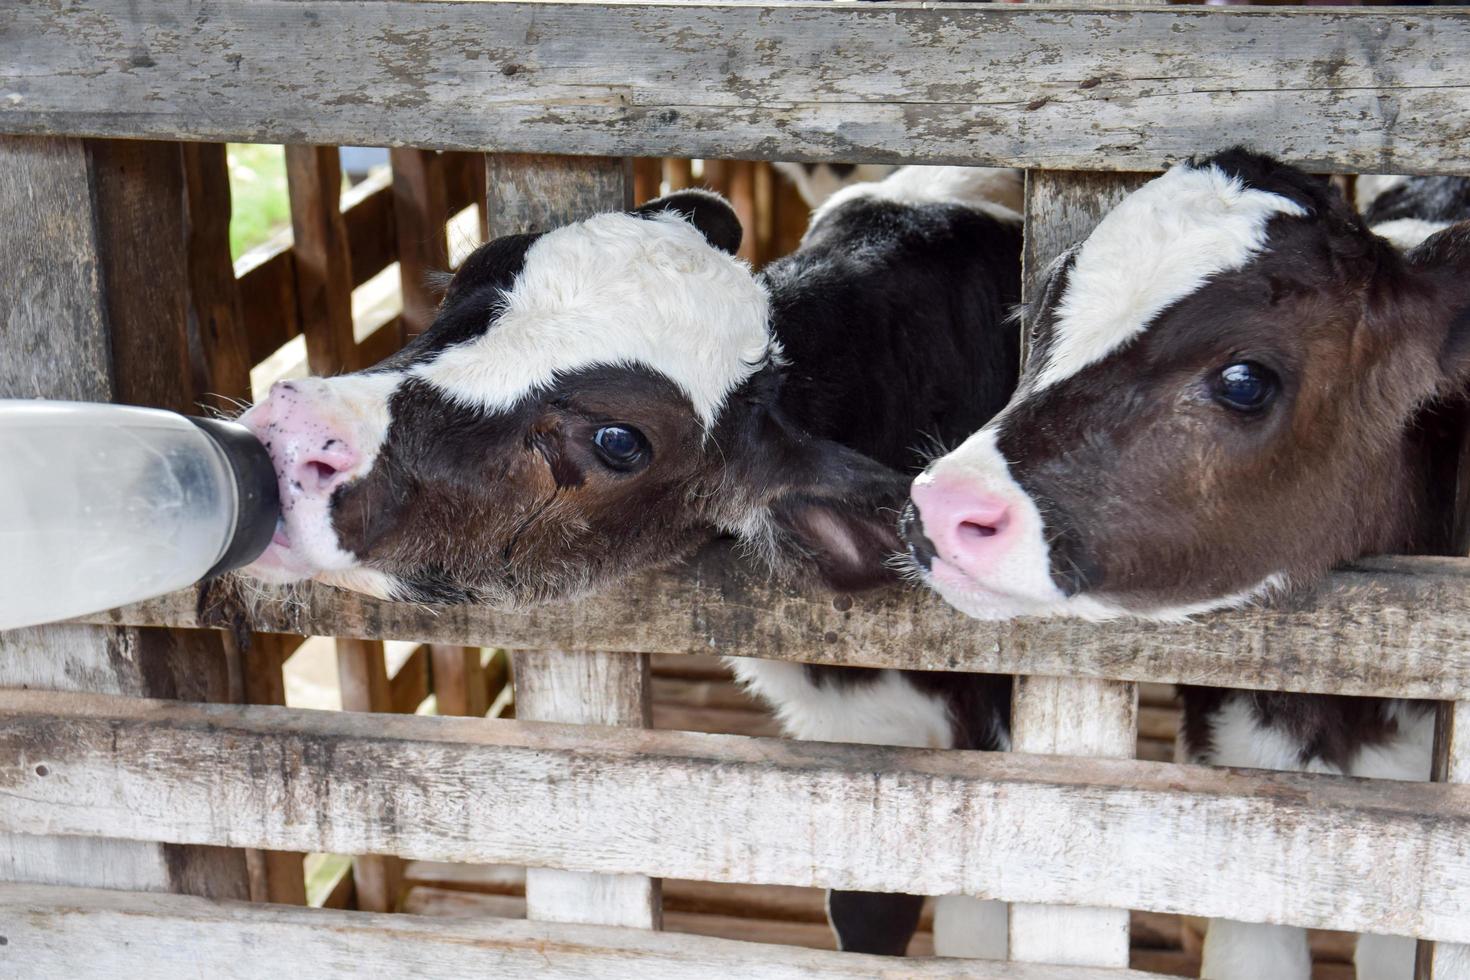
pixel 764 228
pixel 459 681
pixel 679 173
pixel 275 876
pixel 220 350
pixel 741 191
pixel 535 193
pixel 648 175
pixel 421 206
pixel 587 689
pixel 421 203
pixel 323 261
pixel 93 308
pixel 1449 961
pixel 1070 716
pixel 362 672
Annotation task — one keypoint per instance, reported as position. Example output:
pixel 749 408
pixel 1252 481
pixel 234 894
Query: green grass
pixel 259 206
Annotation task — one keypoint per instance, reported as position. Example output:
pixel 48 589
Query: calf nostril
pixel 973 530
pixel 324 472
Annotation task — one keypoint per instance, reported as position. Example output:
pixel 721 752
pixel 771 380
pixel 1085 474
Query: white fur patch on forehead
pixel 1159 244
pixel 617 289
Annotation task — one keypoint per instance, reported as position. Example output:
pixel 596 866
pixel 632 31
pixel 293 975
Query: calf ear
pixel 708 212
pixel 835 518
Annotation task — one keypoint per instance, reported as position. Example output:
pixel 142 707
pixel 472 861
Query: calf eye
pixel 621 447
pixel 1245 387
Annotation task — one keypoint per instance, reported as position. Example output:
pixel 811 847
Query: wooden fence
pixel 147 750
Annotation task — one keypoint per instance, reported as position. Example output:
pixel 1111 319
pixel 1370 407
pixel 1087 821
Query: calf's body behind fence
pixel 1215 416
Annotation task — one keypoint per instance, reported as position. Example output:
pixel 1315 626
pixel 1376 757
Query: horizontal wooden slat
pixel 1282 847
pixel 1393 627
pixel 1113 89
pixel 72 932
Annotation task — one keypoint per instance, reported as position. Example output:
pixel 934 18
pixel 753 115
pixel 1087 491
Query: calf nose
pixel 960 524
pixel 312 450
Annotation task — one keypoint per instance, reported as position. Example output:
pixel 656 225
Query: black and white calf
pixel 603 397
pixel 816 182
pixel 1222 404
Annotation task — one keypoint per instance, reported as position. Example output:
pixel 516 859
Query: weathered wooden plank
pixel 218 342
pixel 52 310
pixel 1124 88
pixel 460 686
pixel 362 674
pixel 531 192
pixel 421 204
pixel 1449 961
pixel 322 260
pixel 1065 715
pixel 587 689
pixel 1302 849
pixel 62 932
pixel 275 876
pixel 80 221
pixel 1391 626
pixel 413 683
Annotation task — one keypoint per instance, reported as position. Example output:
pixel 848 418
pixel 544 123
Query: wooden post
pixel 648 175
pixel 537 193
pixel 679 173
pixel 421 206
pixel 587 689
pixel 1069 716
pixel 460 684
pixel 93 308
pixel 1448 961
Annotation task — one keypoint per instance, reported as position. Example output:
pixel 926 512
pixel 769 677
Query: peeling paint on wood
pixel 1128 88
pixel 1304 849
pixel 1396 627
pixel 70 932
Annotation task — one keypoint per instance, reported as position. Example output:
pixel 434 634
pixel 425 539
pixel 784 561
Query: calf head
pixel 1218 403
pixel 588 402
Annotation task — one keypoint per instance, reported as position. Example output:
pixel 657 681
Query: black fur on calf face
pixel 588 403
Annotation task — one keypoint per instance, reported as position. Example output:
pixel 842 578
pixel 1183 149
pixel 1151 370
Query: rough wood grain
pixel 275 876
pixel 421 206
pixel 538 192
pixel 62 932
pixel 1302 849
pixel 219 346
pixel 79 221
pixel 1064 715
pixel 362 674
pixel 52 310
pixel 587 689
pixel 1344 89
pixel 1449 961
pixel 1390 626
pixel 322 260
pixel 1074 717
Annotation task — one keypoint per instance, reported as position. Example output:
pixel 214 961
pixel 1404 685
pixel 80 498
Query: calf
pixel 1223 402
pixel 604 397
